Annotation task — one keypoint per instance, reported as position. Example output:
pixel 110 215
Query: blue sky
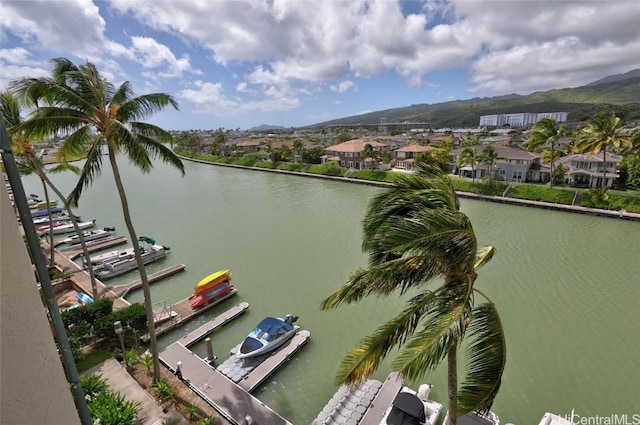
pixel 239 64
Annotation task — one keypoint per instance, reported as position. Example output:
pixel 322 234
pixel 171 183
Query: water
pixel 566 285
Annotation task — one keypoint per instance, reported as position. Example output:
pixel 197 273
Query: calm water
pixel 567 286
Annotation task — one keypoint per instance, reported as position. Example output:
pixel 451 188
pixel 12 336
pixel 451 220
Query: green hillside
pixel 580 102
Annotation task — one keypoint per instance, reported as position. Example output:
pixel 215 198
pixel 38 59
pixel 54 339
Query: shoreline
pixel 623 215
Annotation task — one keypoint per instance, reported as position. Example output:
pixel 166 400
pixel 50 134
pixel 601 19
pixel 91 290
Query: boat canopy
pixel 147 240
pixel 407 409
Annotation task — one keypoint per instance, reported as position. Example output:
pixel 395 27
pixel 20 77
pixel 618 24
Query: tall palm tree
pixel 94 112
pixel 489 156
pixel 469 156
pixel 415 233
pixel 603 131
pixel 546 132
pixel 297 149
pixel 11 113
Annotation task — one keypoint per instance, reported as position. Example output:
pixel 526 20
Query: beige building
pixel 34 389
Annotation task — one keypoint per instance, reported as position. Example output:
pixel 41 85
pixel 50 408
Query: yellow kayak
pixel 212 280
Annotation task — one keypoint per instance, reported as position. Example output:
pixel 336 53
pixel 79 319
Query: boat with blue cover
pixel 270 334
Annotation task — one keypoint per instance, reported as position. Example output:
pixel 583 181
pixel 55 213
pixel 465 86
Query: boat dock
pixel 181 312
pixel 232 400
pixel 123 290
pixel 98 245
pixel 365 405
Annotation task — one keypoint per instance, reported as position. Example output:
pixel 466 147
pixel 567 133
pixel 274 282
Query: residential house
pixel 585 170
pixel 349 153
pixel 512 164
pixel 405 157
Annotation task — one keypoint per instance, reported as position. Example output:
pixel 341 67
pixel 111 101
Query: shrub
pixel 248 159
pixel 113 409
pixel 327 169
pixel 266 164
pixel 163 390
pixel 133 316
pixel 93 384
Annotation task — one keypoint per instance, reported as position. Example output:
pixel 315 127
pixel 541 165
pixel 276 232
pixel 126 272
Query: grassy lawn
pixel 92 358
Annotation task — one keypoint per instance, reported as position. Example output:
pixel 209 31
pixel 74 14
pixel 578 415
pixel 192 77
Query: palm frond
pixel 362 361
pixel 76 144
pixel 444 327
pixel 487 356
pixel 90 170
pixel 144 106
pixel 160 151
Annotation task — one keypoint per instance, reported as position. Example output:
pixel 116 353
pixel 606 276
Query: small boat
pixel 110 269
pixel 409 407
pixel 42 204
pixel 270 334
pixel 211 281
pixel 67 227
pixel 88 236
pixel 112 255
pixel 217 291
pixel 56 218
pixel 84 298
pixel 553 419
pixel 45 211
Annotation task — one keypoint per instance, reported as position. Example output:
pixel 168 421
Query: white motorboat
pixel 110 269
pixel 411 408
pixel 112 256
pixel 56 218
pixel 270 334
pixel 88 236
pixel 68 227
pixel 553 419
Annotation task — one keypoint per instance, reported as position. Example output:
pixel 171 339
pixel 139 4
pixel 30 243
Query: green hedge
pixel 266 164
pixel 555 195
pixel 133 316
pixel 288 166
pixel 375 175
pixel 327 169
pixel 464 185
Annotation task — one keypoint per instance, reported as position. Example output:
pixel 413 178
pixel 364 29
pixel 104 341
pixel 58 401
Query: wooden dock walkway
pixel 220 320
pixel 390 388
pixel 227 398
pixel 185 313
pixel 123 290
pixel 104 243
pixel 267 367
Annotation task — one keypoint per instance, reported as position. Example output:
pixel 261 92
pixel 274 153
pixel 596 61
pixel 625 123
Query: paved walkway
pixel 121 382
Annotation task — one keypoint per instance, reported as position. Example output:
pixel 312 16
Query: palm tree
pixel 415 233
pixel 95 113
pixel 489 156
pixel 33 164
pixel 469 156
pixel 546 132
pixel 603 131
pixel 297 149
pixel 368 152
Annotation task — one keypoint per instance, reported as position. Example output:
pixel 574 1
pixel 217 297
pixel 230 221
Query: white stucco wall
pixel 33 387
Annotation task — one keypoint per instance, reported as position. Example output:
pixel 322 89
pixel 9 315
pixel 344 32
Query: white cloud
pixel 342 86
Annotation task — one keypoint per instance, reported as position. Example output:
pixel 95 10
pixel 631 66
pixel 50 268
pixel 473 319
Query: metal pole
pixel 60 333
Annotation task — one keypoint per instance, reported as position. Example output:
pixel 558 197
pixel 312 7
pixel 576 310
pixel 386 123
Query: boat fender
pixel 166 248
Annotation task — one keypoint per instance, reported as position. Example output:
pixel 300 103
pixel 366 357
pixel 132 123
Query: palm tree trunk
pixel 551 169
pixel 143 272
pixel 52 258
pixel 604 165
pixel 85 253
pixel 452 381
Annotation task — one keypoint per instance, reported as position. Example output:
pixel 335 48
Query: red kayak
pixel 210 295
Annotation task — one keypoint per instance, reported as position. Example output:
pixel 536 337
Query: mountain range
pixel 619 92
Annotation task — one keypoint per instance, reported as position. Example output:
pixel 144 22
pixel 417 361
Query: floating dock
pixel 184 312
pixel 123 290
pixel 365 405
pixel 232 400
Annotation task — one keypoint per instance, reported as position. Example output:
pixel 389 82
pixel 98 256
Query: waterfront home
pixel 585 170
pixel 349 153
pixel 512 164
pixel 405 157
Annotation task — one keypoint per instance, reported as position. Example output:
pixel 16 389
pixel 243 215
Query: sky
pixel 294 63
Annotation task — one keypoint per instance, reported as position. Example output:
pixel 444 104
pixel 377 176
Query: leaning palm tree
pixel 469 156
pixel 96 113
pixel 415 233
pixel 489 156
pixel 602 132
pixel 546 132
pixel 32 164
